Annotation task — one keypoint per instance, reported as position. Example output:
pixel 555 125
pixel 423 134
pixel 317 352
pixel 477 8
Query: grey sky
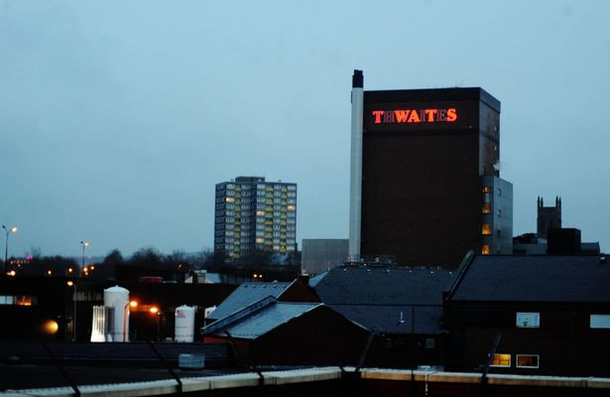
pixel 118 117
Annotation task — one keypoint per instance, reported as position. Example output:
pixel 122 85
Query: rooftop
pixel 382 286
pixel 544 278
pixel 246 294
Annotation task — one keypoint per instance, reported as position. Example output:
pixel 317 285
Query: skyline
pixel 117 120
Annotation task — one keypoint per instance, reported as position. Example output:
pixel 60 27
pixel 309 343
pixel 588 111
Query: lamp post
pixel 85 244
pixel 8 231
pixel 74 293
pixel 125 314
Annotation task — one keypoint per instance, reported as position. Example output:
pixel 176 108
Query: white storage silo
pixel 185 324
pixel 117 298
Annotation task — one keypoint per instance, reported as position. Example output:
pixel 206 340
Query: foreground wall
pixel 334 381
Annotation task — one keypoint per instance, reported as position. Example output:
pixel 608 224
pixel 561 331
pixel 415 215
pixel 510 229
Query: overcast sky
pixel 117 118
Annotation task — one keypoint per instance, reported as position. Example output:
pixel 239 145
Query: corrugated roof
pixel 395 319
pixel 383 286
pixel 534 279
pixel 246 294
pixel 272 316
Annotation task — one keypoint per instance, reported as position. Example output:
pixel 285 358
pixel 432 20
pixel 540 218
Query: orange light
pixel 133 304
pixel 50 327
pixel 402 116
pixel 70 270
pixel 451 115
pixel 154 310
pixel 70 283
pixel 92 267
pixel 414 118
pixel 49 272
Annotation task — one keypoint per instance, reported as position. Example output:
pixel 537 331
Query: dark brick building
pixel 550 313
pixel 430 182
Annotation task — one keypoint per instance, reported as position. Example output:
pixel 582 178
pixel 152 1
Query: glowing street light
pixel 85 244
pixel 8 231
pixel 129 304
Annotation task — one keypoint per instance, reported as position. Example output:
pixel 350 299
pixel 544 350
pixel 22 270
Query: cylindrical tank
pixel 185 324
pixel 117 298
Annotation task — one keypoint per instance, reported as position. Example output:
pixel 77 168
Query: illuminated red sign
pixel 415 116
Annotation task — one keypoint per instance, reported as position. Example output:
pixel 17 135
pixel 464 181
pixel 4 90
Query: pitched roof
pixel 268 318
pixel 395 319
pixel 261 317
pixel 546 278
pixel 348 285
pixel 246 294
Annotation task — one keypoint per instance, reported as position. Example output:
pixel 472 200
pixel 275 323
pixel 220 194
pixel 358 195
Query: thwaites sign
pixel 420 116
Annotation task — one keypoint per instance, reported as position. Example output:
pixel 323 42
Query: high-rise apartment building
pixel 425 184
pixel 252 214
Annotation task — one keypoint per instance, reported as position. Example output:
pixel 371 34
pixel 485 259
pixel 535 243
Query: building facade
pixel 254 215
pixel 550 315
pixel 430 186
pixel 319 255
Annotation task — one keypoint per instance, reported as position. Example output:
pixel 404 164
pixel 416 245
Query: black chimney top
pixel 357 79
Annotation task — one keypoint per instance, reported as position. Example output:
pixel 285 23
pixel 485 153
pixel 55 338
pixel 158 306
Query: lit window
pixel 230 200
pixel 501 360
pixel 486 208
pixel 528 361
pixel 260 240
pixel 18 300
pixel 485 249
pixel 528 320
pixel 291 208
pixel 486 189
pixel 260 213
pixel 486 229
pixel 600 321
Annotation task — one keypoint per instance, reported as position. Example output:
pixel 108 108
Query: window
pixel 528 361
pixel 18 300
pixel 600 321
pixel 486 208
pixel 486 189
pixel 528 320
pixel 485 249
pixel 486 229
pixel 501 360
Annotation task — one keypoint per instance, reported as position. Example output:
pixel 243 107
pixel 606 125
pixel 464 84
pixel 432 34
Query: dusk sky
pixel 117 118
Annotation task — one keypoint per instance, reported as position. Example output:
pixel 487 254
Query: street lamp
pixel 8 231
pixel 84 244
pixel 133 304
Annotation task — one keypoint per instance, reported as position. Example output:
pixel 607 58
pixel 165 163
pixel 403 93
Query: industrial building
pixel 252 214
pixel 425 178
pixel 321 254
